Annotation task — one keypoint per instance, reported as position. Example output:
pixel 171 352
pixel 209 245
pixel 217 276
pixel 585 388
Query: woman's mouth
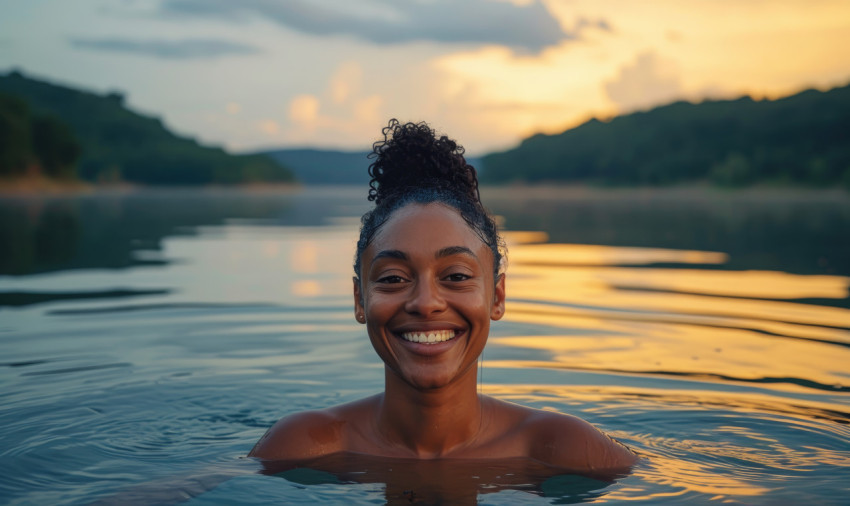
pixel 429 337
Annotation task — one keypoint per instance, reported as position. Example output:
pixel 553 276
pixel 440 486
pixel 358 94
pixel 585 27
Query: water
pixel 147 340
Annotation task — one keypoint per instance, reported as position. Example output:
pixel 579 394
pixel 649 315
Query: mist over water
pixel 149 337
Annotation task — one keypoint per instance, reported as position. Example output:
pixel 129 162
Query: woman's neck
pixel 430 423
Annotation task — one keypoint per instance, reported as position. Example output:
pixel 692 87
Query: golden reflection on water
pixel 723 468
pixel 694 352
pixel 707 324
pixel 629 400
pixel 620 288
pixel 587 254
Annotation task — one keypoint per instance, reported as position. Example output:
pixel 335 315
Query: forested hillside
pixel 32 143
pixel 62 131
pixel 803 139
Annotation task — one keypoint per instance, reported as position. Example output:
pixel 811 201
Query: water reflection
pixel 37 235
pixel 117 229
pixel 445 481
pixel 150 333
pixel 25 298
pixel 714 325
pixel 778 230
pixel 586 254
pixel 707 444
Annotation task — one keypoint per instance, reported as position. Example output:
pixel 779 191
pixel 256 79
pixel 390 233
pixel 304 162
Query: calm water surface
pixel 148 339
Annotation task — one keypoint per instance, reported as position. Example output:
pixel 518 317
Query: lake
pixel 148 338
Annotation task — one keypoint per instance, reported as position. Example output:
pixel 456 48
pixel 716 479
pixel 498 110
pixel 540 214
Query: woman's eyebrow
pixel 455 250
pixel 390 253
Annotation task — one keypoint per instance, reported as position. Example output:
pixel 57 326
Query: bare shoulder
pixel 300 436
pixel 572 443
pixel 310 434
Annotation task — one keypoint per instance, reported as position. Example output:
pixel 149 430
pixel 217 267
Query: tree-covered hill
pixel 801 139
pixel 32 143
pixel 115 143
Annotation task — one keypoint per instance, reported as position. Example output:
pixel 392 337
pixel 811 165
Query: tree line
pixel 31 143
pixel 803 139
pixel 68 133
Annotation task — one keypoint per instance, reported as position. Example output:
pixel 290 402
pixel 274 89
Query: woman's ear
pixel 359 311
pixel 498 308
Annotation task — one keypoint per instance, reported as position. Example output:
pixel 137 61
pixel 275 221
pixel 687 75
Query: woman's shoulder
pixel 310 434
pixel 567 441
pixel 300 436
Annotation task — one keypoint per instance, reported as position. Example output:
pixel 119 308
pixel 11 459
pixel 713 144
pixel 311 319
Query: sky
pixel 260 74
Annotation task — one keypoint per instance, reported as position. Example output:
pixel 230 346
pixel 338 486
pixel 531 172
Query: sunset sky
pixel 253 74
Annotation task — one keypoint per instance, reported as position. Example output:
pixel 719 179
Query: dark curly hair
pixel 413 165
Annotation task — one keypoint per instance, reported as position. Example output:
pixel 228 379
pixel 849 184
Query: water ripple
pixel 67 370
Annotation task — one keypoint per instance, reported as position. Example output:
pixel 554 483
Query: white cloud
pixel 647 82
pixel 304 111
pixel 346 82
pixel 269 127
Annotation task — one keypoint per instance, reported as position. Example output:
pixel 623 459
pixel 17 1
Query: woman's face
pixel 428 294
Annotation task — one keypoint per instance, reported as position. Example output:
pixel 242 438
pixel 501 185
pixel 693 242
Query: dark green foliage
pixel 15 136
pixel 120 145
pixel 802 139
pixel 55 146
pixel 43 143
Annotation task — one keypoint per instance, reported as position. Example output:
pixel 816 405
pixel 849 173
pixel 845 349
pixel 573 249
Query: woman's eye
pixel 458 277
pixel 391 279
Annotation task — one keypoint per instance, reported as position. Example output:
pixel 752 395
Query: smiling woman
pixel 427 283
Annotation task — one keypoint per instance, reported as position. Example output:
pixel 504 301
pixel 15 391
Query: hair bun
pixel 412 156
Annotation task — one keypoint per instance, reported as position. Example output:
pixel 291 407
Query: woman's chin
pixel 429 383
pixel 430 378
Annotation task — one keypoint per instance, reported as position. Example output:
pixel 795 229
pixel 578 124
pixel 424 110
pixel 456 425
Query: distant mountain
pixel 317 166
pixel 801 139
pixel 115 143
pixel 329 167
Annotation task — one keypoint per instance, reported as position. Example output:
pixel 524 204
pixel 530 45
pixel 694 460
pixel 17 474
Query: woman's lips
pixel 428 336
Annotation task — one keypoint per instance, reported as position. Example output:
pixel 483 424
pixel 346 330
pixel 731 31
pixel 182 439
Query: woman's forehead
pixel 432 226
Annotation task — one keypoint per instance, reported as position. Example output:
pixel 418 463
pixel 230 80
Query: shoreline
pixel 45 187
pixel 693 192
pixel 41 185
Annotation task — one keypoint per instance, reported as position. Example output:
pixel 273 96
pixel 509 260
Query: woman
pixel 427 283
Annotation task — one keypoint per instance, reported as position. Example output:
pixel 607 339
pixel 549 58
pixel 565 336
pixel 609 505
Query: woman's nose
pixel 425 299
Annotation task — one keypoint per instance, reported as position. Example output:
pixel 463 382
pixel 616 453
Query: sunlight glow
pixel 585 254
pixel 713 325
pixel 655 53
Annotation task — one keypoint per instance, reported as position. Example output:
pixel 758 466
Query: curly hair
pixel 411 156
pixel 413 165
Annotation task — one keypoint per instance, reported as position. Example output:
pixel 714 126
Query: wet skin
pixel 427 276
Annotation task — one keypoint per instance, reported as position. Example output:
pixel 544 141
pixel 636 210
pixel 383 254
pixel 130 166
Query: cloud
pixel 345 109
pixel 304 110
pixel 600 24
pixel 346 82
pixel 647 82
pixel 527 28
pixel 172 49
pixel 269 127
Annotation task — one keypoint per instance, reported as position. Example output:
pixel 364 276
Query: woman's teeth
pixel 434 336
